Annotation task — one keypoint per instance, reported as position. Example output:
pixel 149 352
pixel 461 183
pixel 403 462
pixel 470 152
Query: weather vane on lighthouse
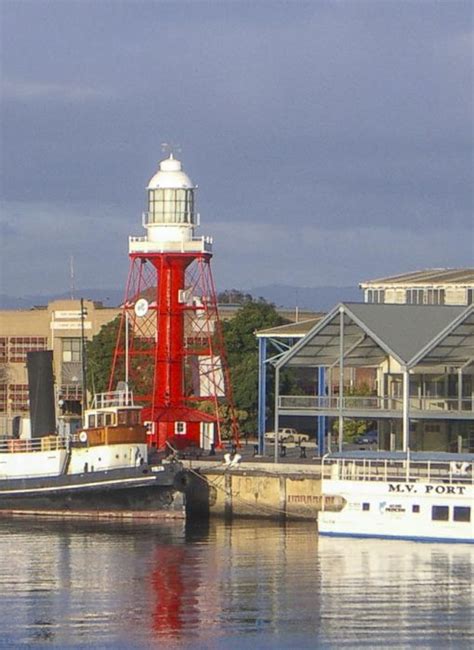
pixel 170 148
pixel 170 339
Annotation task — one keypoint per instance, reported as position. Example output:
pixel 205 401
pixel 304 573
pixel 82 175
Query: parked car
pixel 286 434
pixel 367 438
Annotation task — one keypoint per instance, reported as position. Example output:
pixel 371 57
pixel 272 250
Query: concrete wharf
pixel 256 486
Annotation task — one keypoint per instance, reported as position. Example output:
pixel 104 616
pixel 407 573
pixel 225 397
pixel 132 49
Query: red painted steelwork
pixel 169 346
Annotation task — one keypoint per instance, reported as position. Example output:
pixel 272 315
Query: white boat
pixel 101 470
pixel 419 496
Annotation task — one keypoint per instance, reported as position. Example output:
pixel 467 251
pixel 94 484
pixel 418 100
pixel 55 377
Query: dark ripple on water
pixel 221 585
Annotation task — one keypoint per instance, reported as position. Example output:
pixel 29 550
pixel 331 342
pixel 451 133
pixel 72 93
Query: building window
pixel 415 509
pixel 470 296
pixel 366 506
pixel 3 398
pixel 435 297
pixel 414 296
pixel 461 513
pixel 432 428
pixel 375 295
pixel 18 396
pixel 72 350
pixel 180 428
pixel 20 345
pixel 3 349
pixel 440 513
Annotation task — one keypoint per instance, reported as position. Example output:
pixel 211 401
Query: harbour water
pixel 220 585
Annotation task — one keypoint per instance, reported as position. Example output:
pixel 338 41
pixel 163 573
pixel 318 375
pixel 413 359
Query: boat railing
pixel 113 399
pixel 398 471
pixel 45 443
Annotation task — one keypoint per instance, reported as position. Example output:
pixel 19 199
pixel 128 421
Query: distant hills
pixel 311 298
pixel 109 297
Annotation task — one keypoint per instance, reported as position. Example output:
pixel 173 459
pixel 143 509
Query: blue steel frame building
pixel 422 360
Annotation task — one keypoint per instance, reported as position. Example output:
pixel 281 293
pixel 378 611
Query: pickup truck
pixel 285 434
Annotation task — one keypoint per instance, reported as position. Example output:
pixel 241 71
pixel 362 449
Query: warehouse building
pixel 429 287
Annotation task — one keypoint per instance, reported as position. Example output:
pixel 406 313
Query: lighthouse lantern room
pixel 169 347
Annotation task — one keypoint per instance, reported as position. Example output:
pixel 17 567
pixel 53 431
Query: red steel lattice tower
pixel 169 346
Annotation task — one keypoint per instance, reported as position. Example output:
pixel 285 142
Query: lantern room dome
pixel 170 175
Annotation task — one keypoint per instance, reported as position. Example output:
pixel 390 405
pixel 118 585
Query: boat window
pixel 133 417
pixel 123 417
pixel 109 419
pixel 366 506
pixel 461 513
pixel 100 419
pixel 91 421
pixel 415 508
pixel 440 513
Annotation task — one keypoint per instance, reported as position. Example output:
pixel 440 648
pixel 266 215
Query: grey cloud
pixel 332 115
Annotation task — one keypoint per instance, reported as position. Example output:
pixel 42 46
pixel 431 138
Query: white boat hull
pixel 413 510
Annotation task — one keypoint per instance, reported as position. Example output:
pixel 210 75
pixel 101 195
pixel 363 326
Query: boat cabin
pixel 113 418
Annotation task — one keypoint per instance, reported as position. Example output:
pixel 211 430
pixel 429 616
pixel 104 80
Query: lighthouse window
pixel 366 506
pixel 461 513
pixel 415 508
pixel 180 428
pixel 170 206
pixel 440 513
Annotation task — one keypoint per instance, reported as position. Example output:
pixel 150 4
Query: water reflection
pixel 128 586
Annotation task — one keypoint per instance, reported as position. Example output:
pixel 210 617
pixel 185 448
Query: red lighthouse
pixel 169 347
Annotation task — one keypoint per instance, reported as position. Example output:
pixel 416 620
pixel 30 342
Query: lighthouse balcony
pixel 192 245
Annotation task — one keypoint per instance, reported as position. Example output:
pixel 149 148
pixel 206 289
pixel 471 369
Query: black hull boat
pixel 100 471
pixel 144 492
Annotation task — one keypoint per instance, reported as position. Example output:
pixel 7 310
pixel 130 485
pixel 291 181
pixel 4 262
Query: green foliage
pixel 100 353
pixel 354 428
pixel 233 297
pixel 242 355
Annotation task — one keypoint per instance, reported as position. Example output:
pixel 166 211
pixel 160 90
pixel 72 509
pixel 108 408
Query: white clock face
pixel 141 307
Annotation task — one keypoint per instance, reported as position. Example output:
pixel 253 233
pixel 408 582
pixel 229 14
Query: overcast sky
pixel 332 142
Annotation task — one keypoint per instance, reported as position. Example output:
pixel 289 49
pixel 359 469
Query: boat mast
pixel 84 361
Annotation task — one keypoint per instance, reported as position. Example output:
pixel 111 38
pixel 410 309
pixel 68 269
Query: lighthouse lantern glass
pixel 171 206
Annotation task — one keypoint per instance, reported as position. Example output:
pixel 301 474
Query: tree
pixel 242 355
pixel 233 297
pixel 354 427
pixel 100 354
